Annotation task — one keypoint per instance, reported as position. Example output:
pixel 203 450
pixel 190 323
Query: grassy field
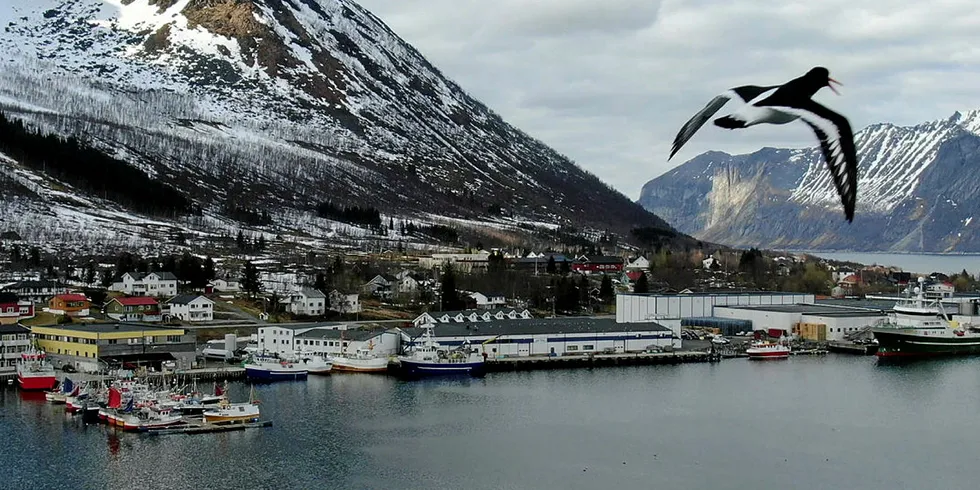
pixel 41 319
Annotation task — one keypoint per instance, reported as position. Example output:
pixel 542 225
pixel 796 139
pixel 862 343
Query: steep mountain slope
pixel 918 191
pixel 279 105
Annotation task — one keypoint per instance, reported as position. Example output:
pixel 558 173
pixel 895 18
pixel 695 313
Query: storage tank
pixel 231 345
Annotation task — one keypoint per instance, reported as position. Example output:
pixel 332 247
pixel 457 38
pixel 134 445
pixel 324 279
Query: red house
pixel 599 263
pixel 13 310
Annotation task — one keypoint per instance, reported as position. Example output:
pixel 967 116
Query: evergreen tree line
pixel 245 244
pixel 354 215
pixel 246 215
pixel 74 162
pixel 442 233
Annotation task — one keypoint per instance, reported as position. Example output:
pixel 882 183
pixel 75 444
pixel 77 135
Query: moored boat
pixel 765 350
pixel 430 359
pixel 315 364
pixel 361 361
pixel 60 396
pixel 273 368
pixel 34 371
pixel 920 328
pixel 226 412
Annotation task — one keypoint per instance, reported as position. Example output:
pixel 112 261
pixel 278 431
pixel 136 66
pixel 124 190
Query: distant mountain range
pixel 259 112
pixel 918 191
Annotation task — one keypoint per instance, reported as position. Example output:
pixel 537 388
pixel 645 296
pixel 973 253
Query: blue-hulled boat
pixel 429 359
pixel 274 368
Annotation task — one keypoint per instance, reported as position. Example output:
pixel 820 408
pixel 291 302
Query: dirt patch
pixel 229 18
pixel 159 40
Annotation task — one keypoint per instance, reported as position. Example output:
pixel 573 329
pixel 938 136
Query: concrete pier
pixel 596 360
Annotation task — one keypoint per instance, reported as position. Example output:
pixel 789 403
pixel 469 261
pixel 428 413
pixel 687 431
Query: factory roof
pixel 560 325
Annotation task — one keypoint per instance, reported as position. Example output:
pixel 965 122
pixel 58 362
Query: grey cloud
pixel 609 83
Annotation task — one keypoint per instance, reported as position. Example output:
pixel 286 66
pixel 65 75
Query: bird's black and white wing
pixel 747 93
pixel 837 145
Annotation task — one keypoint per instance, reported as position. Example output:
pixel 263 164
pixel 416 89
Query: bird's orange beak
pixel 831 80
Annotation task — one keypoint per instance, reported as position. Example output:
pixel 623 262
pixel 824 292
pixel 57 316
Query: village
pixel 159 311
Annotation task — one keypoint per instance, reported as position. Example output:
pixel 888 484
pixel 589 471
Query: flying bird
pixel 782 104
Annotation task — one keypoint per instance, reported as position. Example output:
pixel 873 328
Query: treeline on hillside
pixel 76 163
pixel 442 233
pixel 354 215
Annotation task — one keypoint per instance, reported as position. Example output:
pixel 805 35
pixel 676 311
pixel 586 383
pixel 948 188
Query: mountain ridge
pixel 284 104
pixel 915 193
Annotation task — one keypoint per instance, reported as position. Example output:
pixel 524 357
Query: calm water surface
pixel 921 263
pixel 831 422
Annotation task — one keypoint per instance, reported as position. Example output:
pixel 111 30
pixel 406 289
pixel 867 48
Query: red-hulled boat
pixel 765 350
pixel 34 371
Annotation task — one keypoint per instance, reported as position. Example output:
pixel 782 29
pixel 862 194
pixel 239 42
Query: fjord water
pixel 808 422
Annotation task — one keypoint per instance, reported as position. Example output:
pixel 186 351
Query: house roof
pixel 72 297
pixel 311 293
pixel 603 259
pixel 13 329
pixel 110 327
pixel 562 325
pixel 480 312
pixel 355 334
pixel 184 299
pixel 136 301
pixel 164 276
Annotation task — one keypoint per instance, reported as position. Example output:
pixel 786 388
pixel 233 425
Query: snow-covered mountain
pixel 918 190
pixel 273 105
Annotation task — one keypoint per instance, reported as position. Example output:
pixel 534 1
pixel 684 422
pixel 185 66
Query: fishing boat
pixel 226 412
pixel 34 371
pixel 147 417
pixel 921 328
pixel 767 349
pixel 428 358
pixel 274 368
pixel 60 396
pixel 361 361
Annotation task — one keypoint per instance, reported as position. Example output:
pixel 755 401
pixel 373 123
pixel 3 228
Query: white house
pixel 472 316
pixel 709 263
pixel 380 285
pixel 326 339
pixel 226 286
pixel 308 301
pixel 489 300
pixel 153 284
pixel 191 308
pixel 344 303
pixel 15 340
pixel 405 285
pixel 640 264
pixel 939 290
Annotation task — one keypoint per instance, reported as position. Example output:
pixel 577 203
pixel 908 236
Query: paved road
pixel 240 313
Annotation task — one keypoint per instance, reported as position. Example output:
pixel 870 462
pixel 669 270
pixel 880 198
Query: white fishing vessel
pixel 273 368
pixel 226 412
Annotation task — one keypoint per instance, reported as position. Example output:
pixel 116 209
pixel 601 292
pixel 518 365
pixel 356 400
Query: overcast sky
pixel 609 82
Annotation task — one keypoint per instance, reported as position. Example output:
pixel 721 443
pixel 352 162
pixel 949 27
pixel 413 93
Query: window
pixel 571 347
pixel 173 338
pixel 112 341
pixel 588 347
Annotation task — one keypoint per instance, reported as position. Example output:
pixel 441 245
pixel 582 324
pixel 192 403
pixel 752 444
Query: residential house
pixel 69 304
pixel 308 301
pixel 86 346
pixel 405 284
pixel 225 286
pixel 939 290
pixel 539 262
pixel 36 291
pixel 489 300
pixel 14 339
pixel 190 308
pixel 598 264
pixel 156 284
pixel 639 264
pixel 472 316
pixel 134 309
pixel 344 303
pixel 710 263
pixel 381 285
pixel 14 309
pixel 461 262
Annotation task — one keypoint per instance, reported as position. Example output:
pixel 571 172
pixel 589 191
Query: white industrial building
pixel 552 336
pixel 837 320
pixel 631 308
pixel 326 338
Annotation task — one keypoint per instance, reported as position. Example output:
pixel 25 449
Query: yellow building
pixel 84 345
